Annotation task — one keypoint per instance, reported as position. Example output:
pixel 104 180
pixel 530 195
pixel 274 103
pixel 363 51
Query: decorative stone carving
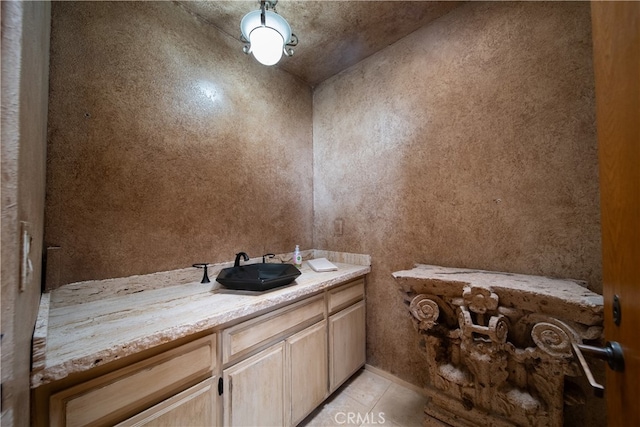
pixel 498 345
pixel 553 339
pixel 426 311
pixel 479 300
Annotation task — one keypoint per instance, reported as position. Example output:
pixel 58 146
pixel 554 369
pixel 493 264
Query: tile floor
pixel 369 399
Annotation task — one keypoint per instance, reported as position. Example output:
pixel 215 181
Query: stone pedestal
pixel 498 345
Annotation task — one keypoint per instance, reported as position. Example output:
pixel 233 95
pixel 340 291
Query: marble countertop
pixel 88 324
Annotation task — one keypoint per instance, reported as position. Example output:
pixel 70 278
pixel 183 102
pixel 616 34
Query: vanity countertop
pixel 88 324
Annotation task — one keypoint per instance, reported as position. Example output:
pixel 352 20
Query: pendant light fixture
pixel 268 34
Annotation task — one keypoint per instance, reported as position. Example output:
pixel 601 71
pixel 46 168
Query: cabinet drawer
pixel 247 336
pixel 346 295
pixel 192 407
pixel 125 392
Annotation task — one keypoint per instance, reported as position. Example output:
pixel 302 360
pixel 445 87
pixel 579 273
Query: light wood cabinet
pixel 113 397
pixel 281 384
pixel 272 369
pixel 346 295
pixel 241 340
pixel 296 368
pixel 308 368
pixel 347 341
pixel 194 407
pixel 254 393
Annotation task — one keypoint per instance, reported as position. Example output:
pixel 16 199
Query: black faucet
pixel 267 256
pixel 238 255
pixel 205 278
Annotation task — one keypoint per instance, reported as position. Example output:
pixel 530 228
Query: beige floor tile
pixel 402 406
pixel 369 400
pixel 366 387
pixel 339 410
pixel 377 419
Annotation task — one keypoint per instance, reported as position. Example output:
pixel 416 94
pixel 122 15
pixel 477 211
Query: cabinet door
pixel 193 407
pixel 308 361
pixel 346 343
pixel 254 390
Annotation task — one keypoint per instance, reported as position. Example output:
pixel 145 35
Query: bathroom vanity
pixel 141 351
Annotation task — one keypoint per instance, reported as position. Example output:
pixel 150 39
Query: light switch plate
pixel 26 264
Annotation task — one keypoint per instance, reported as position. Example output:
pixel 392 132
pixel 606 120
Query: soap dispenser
pixel 297 257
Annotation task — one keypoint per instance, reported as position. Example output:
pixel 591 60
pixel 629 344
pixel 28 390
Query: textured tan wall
pixel 167 145
pixel 25 64
pixel 469 143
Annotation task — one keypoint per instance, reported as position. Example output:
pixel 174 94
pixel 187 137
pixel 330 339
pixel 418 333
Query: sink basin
pixel 258 277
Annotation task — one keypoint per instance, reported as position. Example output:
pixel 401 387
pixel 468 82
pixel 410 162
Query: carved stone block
pixel 498 345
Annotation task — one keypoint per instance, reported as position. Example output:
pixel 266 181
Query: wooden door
pixel 254 390
pixel 308 364
pixel 616 50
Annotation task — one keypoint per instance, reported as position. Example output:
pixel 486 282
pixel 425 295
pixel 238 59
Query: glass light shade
pixel 266 45
pixel 268 40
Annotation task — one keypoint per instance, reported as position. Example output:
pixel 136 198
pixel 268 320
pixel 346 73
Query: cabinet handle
pixel 220 386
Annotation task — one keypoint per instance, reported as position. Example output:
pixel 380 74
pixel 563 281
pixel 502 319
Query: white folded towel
pixel 321 264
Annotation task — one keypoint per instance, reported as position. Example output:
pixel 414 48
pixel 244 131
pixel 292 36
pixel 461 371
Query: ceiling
pixel 333 35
